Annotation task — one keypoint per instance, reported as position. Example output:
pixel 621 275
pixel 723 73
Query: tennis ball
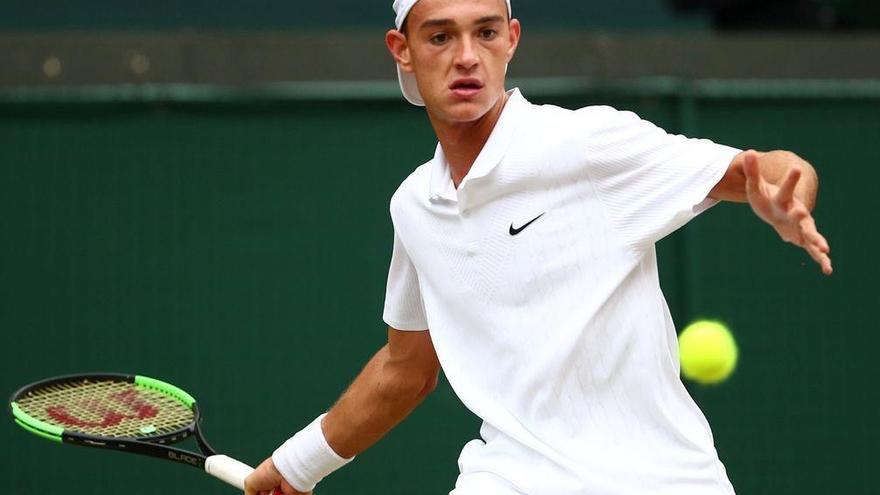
pixel 708 352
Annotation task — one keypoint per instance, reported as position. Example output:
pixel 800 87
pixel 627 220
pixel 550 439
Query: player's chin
pixel 467 110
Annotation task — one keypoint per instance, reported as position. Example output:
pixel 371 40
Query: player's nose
pixel 466 58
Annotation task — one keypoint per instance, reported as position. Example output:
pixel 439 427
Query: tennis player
pixel 526 246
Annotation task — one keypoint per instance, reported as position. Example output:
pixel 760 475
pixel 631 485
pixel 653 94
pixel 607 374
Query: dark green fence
pixel 263 14
pixel 237 244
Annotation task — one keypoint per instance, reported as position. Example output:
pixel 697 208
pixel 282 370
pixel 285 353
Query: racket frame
pixel 156 446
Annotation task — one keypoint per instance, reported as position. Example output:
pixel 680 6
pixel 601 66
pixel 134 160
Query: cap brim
pixel 409 87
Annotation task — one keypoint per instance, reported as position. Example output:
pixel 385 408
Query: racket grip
pixel 228 470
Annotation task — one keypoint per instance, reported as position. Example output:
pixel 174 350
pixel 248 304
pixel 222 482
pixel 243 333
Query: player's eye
pixel 488 34
pixel 439 38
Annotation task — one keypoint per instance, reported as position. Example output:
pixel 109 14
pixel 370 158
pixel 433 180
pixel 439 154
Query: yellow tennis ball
pixel 708 352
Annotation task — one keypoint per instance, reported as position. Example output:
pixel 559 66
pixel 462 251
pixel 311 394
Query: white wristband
pixel 307 458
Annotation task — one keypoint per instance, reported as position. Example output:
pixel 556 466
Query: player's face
pixel 458 51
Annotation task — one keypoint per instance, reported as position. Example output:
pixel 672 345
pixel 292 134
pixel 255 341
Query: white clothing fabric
pixel 556 333
pixel 482 483
pixel 402 8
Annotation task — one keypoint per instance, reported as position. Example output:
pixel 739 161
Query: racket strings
pixel 107 408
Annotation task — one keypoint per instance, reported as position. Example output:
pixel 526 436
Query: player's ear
pixel 514 32
pixel 399 48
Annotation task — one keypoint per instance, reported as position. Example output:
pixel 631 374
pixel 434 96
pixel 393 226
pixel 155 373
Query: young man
pixel 527 247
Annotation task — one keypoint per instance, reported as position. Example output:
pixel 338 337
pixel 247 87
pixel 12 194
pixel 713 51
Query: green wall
pixel 239 249
pixel 274 14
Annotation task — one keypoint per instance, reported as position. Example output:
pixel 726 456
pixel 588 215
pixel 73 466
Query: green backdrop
pixel 239 248
pixel 284 14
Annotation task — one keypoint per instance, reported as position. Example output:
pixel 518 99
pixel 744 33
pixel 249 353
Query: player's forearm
pixel 774 166
pixel 384 393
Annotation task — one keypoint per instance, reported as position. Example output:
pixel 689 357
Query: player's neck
pixel 463 141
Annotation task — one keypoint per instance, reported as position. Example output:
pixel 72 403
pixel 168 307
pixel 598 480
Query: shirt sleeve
pixel 404 309
pixel 652 182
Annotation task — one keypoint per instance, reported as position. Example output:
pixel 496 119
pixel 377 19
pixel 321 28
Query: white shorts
pixel 482 483
pixel 477 465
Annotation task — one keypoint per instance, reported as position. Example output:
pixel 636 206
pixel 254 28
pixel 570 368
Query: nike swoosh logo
pixel 515 231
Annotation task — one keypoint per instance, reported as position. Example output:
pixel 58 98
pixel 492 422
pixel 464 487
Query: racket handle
pixel 230 471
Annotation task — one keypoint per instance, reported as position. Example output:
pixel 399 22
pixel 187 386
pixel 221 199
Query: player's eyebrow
pixel 446 22
pixel 436 23
pixel 489 19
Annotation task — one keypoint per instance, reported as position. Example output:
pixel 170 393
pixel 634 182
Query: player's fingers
pixel 798 214
pixel 816 245
pixel 786 189
pixel 821 253
pixel 812 236
pixel 822 259
pixel 264 479
pixel 818 240
pixel 251 489
pixel 288 489
pixel 291 491
pixel 827 269
pixel 248 488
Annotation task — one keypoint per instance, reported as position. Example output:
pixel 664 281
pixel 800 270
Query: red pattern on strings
pixel 130 399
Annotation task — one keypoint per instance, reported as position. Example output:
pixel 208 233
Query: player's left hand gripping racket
pixel 128 413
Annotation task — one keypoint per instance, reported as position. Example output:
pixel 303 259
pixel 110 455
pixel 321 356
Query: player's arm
pixel 391 385
pixel 781 188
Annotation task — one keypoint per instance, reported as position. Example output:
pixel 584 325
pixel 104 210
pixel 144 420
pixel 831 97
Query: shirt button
pixel 466 213
pixel 472 249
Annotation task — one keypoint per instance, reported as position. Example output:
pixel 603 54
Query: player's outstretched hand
pixel 266 480
pixel 778 206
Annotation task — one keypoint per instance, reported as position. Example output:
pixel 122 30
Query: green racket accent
pixel 36 426
pixel 39 433
pixel 167 388
pixel 107 407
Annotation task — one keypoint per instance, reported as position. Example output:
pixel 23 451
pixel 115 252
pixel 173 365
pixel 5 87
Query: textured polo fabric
pixel 558 337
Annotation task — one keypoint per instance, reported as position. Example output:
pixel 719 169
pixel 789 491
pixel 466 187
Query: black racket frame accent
pixel 157 446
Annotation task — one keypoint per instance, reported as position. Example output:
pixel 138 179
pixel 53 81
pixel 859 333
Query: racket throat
pixel 186 458
pixel 142 448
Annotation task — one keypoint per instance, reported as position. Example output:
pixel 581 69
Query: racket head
pixel 100 408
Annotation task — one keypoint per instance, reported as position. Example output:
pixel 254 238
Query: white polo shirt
pixel 538 281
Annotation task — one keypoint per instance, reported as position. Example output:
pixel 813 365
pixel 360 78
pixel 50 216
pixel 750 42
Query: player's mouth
pixel 466 87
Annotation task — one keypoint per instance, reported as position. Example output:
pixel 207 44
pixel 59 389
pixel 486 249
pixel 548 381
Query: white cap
pixel 408 84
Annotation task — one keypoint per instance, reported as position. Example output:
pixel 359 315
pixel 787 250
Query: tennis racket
pixel 128 413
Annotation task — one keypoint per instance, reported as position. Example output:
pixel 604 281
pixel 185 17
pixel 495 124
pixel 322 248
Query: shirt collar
pixel 490 156
pixel 441 187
